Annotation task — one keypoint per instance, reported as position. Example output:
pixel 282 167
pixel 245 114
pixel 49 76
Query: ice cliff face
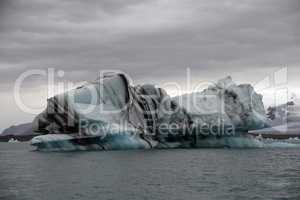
pixel 226 104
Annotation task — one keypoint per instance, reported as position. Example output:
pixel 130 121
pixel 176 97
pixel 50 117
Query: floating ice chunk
pixel 50 138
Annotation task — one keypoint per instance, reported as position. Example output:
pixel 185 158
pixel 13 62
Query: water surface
pixel 149 174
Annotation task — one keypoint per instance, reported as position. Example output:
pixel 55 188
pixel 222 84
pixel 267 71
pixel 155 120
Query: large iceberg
pixel 111 114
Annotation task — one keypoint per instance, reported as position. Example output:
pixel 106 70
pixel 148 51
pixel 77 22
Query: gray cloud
pixel 153 40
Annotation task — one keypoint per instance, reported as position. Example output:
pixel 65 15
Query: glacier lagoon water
pixel 262 173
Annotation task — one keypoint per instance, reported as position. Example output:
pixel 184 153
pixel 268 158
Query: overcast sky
pixel 154 41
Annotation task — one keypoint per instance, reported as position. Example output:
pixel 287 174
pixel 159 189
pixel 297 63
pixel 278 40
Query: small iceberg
pixel 12 140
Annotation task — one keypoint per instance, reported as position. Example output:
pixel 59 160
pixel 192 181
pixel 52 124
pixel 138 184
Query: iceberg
pixel 111 114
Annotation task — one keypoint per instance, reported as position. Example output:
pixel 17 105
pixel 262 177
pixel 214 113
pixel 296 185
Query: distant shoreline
pixel 21 138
